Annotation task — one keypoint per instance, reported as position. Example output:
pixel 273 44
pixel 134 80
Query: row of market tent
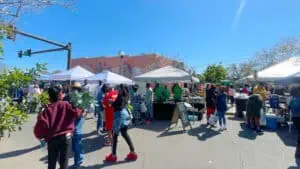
pixel 163 75
pixel 283 71
pixel 286 71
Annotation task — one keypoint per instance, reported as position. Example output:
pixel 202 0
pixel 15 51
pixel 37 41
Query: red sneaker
pixel 131 156
pixel 111 158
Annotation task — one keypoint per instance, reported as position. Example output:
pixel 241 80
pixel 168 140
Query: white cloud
pixel 239 13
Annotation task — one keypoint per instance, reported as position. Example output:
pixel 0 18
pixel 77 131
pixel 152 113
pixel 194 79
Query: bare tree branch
pixel 12 9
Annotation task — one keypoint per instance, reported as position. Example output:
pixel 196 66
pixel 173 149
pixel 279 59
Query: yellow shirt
pixel 261 91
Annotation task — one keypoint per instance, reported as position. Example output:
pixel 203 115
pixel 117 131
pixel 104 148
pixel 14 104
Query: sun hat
pixel 76 85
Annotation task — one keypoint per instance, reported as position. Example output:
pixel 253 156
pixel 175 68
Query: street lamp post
pixel 121 54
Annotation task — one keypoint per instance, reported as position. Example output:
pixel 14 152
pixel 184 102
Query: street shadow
pixel 297 163
pixel 93 144
pixel 233 118
pixel 287 138
pixel 203 132
pixel 105 164
pixel 93 133
pixel 171 133
pixel 247 133
pixel 156 126
pixel 18 152
pixel 90 144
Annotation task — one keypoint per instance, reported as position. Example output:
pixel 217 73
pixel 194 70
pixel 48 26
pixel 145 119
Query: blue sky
pixel 194 31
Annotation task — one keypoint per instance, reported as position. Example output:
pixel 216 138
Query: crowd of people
pixel 118 107
pixel 216 103
pixel 60 123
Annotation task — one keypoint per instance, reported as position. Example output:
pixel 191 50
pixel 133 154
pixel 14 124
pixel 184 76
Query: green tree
pixel 215 73
pixel 12 114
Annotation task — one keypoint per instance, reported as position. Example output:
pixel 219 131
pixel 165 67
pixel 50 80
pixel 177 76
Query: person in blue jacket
pixel 222 107
pixel 294 107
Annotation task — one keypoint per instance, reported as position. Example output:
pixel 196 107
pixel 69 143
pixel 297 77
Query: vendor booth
pixel 166 75
pixel 284 73
pixel 76 73
pixel 163 110
pixel 110 78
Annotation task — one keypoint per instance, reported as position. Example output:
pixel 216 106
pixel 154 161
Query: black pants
pixel 58 149
pixel 125 136
pixel 296 121
pixel 231 99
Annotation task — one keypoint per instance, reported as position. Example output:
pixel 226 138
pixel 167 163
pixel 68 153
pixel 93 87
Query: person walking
pixel 77 146
pixel 222 108
pixel 121 121
pixel 99 109
pixel 210 101
pixel 108 99
pixel 294 106
pixel 149 101
pixel 55 125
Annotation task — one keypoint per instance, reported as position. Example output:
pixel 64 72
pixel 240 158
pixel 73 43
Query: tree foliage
pixel 215 73
pixel 12 114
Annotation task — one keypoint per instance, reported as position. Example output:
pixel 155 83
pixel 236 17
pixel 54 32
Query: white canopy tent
pixel 110 78
pixel 76 73
pixel 286 69
pixel 165 75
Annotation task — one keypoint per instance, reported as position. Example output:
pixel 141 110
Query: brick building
pixel 132 65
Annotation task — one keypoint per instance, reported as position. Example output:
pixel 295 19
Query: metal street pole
pixel 121 54
pixel 67 47
pixel 39 38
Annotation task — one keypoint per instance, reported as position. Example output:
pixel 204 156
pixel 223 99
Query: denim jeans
pixel 77 148
pixel 77 141
pixel 222 119
pixel 149 106
pixel 99 121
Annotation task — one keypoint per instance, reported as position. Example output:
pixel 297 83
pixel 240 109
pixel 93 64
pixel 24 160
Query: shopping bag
pixel 263 118
pixel 213 120
pixel 143 107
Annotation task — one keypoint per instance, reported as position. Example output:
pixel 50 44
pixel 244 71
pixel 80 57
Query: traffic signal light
pixel 27 52
pixel 20 54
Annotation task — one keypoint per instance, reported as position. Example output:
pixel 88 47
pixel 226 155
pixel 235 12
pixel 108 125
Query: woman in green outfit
pixel 177 91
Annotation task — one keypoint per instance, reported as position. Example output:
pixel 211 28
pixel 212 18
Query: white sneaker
pixel 224 127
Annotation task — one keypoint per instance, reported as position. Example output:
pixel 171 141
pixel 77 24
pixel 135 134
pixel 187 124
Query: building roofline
pixel 126 56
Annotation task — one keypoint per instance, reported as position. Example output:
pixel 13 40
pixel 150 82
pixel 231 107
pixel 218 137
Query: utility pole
pixel 61 47
pixel 121 54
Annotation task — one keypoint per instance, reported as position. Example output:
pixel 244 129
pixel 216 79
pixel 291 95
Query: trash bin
pixel 241 104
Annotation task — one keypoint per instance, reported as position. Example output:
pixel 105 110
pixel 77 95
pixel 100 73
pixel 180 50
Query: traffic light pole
pixel 67 47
